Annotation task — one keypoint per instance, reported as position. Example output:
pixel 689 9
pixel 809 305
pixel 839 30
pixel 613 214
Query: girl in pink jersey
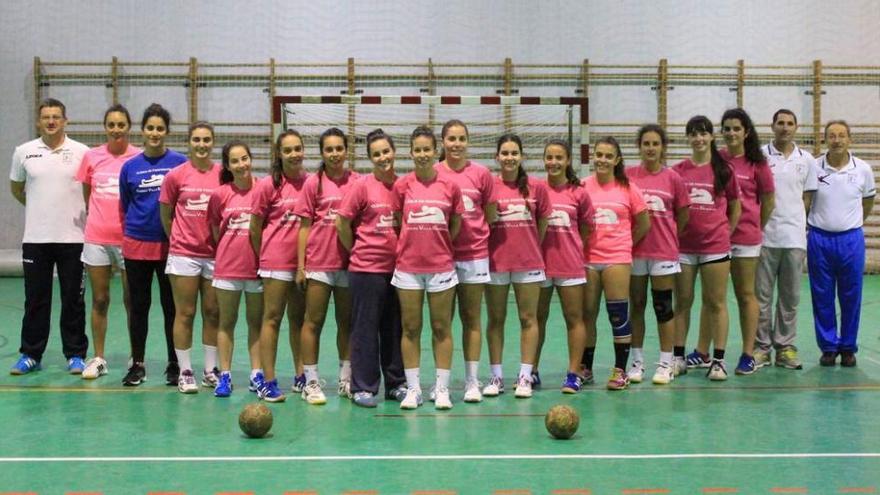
pixel 621 218
pixel 274 234
pixel 704 248
pixel 322 260
pixel 517 230
pixel 656 257
pixel 235 271
pixel 568 229
pixel 471 245
pixel 367 230
pixel 428 207
pixel 99 174
pixel 757 196
pixel 183 205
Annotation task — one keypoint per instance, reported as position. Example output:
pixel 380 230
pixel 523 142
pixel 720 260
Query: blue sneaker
pixel 25 365
pixel 76 365
pixel 536 380
pixel 256 381
pixel 270 392
pixel 224 386
pixel 299 383
pixel 698 360
pixel 746 365
pixel 572 383
pixel 364 399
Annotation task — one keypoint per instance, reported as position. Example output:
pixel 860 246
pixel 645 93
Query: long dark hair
pixel 445 130
pixel 118 107
pixel 522 178
pixel 157 110
pixel 751 144
pixel 322 168
pixel 664 140
pixel 225 174
pixel 619 168
pixel 720 168
pixel 277 168
pixel 570 175
pixel 377 135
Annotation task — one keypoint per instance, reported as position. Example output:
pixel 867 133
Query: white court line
pixel 336 458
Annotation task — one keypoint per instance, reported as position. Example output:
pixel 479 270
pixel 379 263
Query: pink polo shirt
pixel 368 204
pixel 615 208
pixel 754 179
pixel 563 247
pixel 229 209
pixel 99 169
pixel 513 237
pixel 324 253
pixel 475 182
pixel 664 193
pixel 188 190
pixel 277 206
pixel 707 230
pixel 426 209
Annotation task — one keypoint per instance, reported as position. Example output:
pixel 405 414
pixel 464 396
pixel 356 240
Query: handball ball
pixel 562 421
pixel 255 420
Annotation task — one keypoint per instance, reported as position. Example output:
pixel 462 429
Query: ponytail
pixel 322 169
pixel 522 178
pixel 277 168
pixel 571 176
pixel 619 169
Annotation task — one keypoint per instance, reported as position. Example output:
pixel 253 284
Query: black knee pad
pixel 618 316
pixel 662 301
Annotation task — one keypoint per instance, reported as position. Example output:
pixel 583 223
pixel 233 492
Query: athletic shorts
pixel 251 286
pixel 655 268
pixel 702 259
pixel 507 278
pixel 102 255
pixel 283 275
pixel 429 282
pixel 745 251
pixel 187 266
pixel 473 271
pixel 338 278
pixel 563 281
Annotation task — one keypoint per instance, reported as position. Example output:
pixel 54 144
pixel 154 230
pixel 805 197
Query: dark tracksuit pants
pixel 375 333
pixel 140 286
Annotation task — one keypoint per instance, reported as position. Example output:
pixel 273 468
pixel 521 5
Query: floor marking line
pixel 360 492
pixel 789 489
pixel 720 489
pixel 572 491
pixel 434 492
pixel 165 493
pixel 514 491
pixel 858 489
pixel 305 492
pixel 644 491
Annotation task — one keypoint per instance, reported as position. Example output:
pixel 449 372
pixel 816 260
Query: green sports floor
pixel 813 431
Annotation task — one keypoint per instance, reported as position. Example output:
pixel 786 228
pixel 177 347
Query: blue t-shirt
pixel 139 182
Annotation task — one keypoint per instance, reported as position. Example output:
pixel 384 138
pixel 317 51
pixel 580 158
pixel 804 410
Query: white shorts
pixel 702 259
pixel 745 251
pixel 430 282
pixel 252 286
pixel 507 278
pixel 338 278
pixel 187 266
pixel 563 282
pixel 655 268
pixel 473 272
pixel 102 255
pixel 283 275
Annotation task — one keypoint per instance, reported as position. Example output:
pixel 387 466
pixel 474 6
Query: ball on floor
pixel 562 421
pixel 255 420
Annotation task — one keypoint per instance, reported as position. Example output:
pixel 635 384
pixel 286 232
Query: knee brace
pixel 618 316
pixel 662 300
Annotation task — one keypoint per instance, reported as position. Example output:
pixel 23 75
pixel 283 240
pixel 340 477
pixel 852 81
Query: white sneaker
pixel 664 374
pixel 636 372
pixel 96 367
pixel 314 394
pixel 413 398
pixel 441 398
pixel 679 366
pixel 432 393
pixel 523 388
pixel 494 388
pixel 472 391
pixel 186 383
pixel 344 388
pixel 717 371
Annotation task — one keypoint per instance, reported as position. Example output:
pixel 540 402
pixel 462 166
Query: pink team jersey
pixel 475 182
pixel 615 208
pixel 99 169
pixel 229 209
pixel 754 180
pixel 324 253
pixel 188 190
pixel 426 208
pixel 277 207
pixel 513 237
pixel 368 204
pixel 563 247
pixel 707 230
pixel 664 193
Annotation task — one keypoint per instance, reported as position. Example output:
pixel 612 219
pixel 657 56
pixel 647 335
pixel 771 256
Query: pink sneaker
pixel 618 380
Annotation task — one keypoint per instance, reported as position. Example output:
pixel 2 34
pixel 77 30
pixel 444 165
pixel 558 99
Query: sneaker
pixel 76 365
pixel 664 374
pixel 364 399
pixel 697 359
pixel 494 388
pixel 270 392
pixel 472 392
pixel 432 393
pixel 344 388
pixel 586 376
pixel 442 401
pixel 413 398
pixel 313 393
pixel 762 358
pixel 172 373
pixel 523 388
pixel 679 366
pixel 255 381
pixel 396 394
pixel 828 359
pixel 717 371
pixel 636 372
pixel 186 384
pixel 224 385
pixel 136 375
pixel 211 378
pixel 788 358
pixel 25 365
pixel 536 380
pixel 299 383
pixel 572 383
pixel 848 359
pixel 617 380
pixel 746 365
pixel 96 367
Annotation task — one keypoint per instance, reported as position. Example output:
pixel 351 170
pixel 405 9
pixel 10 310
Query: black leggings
pixel 140 286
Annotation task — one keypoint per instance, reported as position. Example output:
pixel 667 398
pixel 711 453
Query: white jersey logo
pixel 515 213
pixel 288 217
pixel 111 186
pixel 200 204
pixel 385 221
pixel 331 215
pixel 242 221
pixel 155 180
pixel 468 203
pixel 559 218
pixel 655 203
pixel 428 214
pixel 700 196
pixel 604 216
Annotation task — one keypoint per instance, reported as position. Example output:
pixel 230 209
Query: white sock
pixel 442 378
pixel 255 371
pixel 471 369
pixel 412 378
pixel 637 354
pixel 227 373
pixel 210 357
pixel 183 359
pixel 666 357
pixel 345 370
pixel 496 370
pixel 311 372
pixel 526 370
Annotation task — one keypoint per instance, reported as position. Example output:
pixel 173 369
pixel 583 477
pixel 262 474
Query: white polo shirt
pixel 793 176
pixel 55 211
pixel 837 204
